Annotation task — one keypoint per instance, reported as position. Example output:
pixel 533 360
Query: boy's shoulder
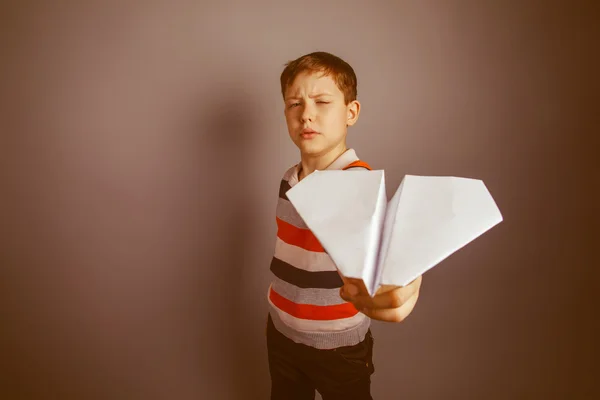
pixel 289 172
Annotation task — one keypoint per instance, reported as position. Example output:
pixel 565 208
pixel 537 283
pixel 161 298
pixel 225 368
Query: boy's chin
pixel 312 149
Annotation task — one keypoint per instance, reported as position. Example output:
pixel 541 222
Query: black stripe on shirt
pixel 305 279
pixel 283 188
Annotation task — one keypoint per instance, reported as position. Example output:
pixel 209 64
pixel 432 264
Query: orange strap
pixel 358 163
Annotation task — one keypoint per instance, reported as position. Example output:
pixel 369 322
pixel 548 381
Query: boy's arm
pixel 390 304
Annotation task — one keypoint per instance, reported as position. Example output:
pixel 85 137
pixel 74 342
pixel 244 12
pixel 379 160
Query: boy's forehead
pixel 312 83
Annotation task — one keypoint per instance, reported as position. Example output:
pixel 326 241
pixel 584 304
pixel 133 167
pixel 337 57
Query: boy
pixel 318 331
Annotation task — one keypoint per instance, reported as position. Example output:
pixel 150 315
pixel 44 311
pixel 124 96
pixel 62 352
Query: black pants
pixel 298 370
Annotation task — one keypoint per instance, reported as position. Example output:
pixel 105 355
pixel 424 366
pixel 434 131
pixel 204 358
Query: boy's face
pixel 316 114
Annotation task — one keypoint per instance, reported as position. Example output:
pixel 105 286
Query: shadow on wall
pixel 125 299
pixel 226 132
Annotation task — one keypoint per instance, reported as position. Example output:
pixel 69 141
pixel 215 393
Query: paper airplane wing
pixel 434 217
pixel 345 211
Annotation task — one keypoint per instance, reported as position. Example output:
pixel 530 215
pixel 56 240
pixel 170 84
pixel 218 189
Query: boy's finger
pixel 393 314
pixel 349 291
pixel 393 298
pixel 352 288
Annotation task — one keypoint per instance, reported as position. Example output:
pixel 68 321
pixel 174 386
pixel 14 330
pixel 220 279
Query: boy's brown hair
pixel 341 72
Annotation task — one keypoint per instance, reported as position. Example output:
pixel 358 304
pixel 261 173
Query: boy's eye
pixel 294 105
pixel 322 102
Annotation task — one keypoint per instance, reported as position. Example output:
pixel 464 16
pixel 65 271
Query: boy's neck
pixel 310 164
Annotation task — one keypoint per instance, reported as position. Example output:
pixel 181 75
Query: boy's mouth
pixel 308 133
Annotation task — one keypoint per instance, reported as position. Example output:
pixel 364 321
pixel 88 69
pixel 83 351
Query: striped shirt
pixel 304 300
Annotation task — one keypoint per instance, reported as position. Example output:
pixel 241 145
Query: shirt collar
pixel 346 158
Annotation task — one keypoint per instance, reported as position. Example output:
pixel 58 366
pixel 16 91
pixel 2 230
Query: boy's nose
pixel 307 115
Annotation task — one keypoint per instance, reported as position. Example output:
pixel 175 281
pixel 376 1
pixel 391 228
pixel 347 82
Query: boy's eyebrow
pixel 311 96
pixel 320 94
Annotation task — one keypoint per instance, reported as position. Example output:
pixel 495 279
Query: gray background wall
pixel 141 149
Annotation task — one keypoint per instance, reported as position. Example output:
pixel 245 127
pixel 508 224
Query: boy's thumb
pixel 350 289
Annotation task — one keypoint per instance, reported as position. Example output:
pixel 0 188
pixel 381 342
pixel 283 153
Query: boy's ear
pixel 353 111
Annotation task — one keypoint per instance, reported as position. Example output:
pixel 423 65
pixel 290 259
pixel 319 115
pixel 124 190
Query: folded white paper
pixel 392 243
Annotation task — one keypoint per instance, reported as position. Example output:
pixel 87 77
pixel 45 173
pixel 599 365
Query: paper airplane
pixel 392 243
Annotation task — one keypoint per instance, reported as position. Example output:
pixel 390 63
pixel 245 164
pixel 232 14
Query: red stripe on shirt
pixel 295 236
pixel 309 311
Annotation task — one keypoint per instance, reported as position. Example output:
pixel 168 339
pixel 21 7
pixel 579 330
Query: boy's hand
pixel 390 303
